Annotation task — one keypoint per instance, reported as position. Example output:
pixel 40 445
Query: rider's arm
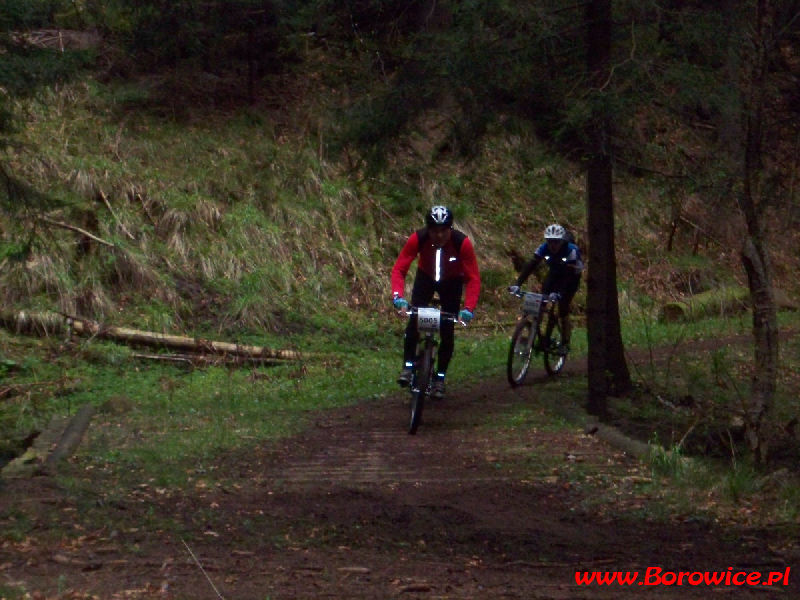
pixel 529 268
pixel 472 275
pixel 403 263
pixel 538 256
pixel 573 259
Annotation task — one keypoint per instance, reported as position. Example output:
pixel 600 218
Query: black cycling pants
pixel 450 291
pixel 566 284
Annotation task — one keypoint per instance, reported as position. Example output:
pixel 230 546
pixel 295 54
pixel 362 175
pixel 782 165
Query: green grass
pixel 12 592
pixel 668 462
pixel 148 410
pixel 192 417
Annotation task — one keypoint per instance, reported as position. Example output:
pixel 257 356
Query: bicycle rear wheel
pixel 519 353
pixel 420 388
pixel 554 352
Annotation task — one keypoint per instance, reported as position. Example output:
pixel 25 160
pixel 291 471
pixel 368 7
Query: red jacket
pixel 453 262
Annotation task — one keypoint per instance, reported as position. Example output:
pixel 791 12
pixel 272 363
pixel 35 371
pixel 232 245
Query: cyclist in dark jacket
pixel 565 265
pixel 447 265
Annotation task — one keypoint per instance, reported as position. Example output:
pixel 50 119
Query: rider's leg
pixel 410 340
pixel 555 283
pixel 567 294
pixel 450 294
pixel 446 347
pixel 549 283
pixel 566 328
pixel 421 295
pixel 443 359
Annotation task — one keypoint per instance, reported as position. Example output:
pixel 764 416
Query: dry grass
pixel 249 217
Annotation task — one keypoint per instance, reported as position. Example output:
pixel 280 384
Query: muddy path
pixel 473 506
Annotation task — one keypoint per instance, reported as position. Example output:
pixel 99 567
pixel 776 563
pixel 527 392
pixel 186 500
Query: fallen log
pixel 49 323
pixel 57 442
pixel 43 324
pixel 85 327
pixel 71 438
pixel 207 360
pixel 722 301
pixel 718 302
pixel 32 461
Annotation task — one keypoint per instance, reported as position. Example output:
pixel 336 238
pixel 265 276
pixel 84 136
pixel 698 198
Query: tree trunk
pixel 607 369
pixel 754 253
pixel 431 15
pixel 765 338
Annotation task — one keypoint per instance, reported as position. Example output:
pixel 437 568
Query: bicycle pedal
pixel 404 380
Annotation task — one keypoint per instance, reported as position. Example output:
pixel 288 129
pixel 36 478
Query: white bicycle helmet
pixel 554 232
pixel 439 215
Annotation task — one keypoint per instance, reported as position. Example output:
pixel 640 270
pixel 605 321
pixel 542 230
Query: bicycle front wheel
pixel 519 353
pixel 417 402
pixel 554 351
pixel 421 387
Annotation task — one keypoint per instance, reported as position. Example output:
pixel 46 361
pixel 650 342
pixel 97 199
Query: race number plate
pixel 428 319
pixel 531 303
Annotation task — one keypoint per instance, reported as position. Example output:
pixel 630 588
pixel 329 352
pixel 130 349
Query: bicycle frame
pixel 530 338
pixel 429 320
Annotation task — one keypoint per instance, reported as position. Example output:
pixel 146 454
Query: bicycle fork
pixel 423 366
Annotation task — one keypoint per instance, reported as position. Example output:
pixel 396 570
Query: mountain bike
pixel 429 320
pixel 538 330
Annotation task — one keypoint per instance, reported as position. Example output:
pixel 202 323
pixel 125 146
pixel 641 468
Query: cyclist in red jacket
pixel 446 265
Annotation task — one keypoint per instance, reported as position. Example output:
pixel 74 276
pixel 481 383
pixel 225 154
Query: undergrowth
pixel 698 464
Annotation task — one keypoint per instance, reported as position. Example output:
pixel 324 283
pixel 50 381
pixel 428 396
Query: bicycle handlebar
pixel 552 297
pixel 412 310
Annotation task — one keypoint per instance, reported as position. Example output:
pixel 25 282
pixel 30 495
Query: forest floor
pixel 476 505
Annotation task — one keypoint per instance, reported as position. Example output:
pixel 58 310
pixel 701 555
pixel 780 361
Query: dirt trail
pixel 356 508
